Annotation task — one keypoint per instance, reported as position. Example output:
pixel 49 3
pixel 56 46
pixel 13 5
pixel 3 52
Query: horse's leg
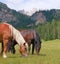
pixel 13 50
pixel 13 43
pixel 9 47
pixel 33 47
pixel 5 44
pixel 28 49
pixel 2 49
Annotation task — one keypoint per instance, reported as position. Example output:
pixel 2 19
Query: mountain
pixel 13 17
pixel 21 20
pixel 43 16
pixel 29 13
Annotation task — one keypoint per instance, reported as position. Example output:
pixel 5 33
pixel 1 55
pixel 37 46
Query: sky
pixel 28 5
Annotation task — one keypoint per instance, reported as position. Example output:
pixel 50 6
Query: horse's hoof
pixel 24 55
pixel 4 56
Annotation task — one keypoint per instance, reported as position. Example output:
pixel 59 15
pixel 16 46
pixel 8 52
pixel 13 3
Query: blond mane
pixel 16 35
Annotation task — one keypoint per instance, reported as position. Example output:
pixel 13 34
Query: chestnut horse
pixel 31 37
pixel 7 32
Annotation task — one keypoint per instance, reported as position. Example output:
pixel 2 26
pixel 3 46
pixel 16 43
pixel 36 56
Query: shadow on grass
pixel 30 55
pixel 16 56
pixel 39 54
pixel 42 54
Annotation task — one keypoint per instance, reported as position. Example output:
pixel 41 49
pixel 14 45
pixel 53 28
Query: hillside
pixel 43 16
pixel 20 20
pixel 13 17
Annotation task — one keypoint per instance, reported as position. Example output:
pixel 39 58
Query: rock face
pixel 46 16
pixel 39 18
pixel 6 14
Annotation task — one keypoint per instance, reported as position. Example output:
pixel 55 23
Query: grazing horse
pixel 31 37
pixel 7 33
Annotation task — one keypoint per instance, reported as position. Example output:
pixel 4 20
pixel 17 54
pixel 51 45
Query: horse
pixel 31 37
pixel 7 33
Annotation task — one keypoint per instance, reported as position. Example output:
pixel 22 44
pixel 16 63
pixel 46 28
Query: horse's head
pixel 37 47
pixel 37 43
pixel 23 49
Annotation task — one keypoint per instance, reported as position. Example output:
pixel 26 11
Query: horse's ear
pixel 24 43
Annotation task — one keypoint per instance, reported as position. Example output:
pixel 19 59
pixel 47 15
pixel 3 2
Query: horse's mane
pixel 16 34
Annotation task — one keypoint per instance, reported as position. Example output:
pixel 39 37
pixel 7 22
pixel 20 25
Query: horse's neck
pixel 17 36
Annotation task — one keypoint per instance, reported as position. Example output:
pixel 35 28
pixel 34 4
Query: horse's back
pixel 4 27
pixel 4 31
pixel 27 34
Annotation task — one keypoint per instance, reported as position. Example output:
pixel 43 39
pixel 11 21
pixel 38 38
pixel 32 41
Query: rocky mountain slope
pixel 13 17
pixel 20 20
pixel 43 16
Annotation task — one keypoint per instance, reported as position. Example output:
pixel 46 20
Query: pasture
pixel 49 54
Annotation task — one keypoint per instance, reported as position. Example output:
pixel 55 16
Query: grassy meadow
pixel 49 54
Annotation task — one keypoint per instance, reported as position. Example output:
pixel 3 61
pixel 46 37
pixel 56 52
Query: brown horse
pixel 31 37
pixel 7 32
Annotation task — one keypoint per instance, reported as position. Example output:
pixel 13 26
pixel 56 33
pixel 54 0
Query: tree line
pixel 50 30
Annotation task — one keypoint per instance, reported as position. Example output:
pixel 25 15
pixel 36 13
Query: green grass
pixel 49 54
